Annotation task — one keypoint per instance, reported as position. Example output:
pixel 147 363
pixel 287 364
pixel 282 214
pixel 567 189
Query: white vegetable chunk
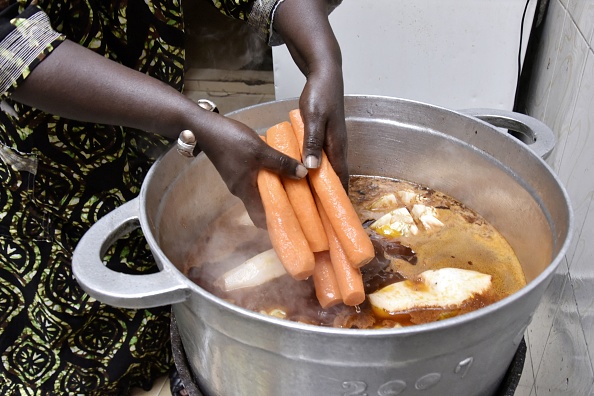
pixel 245 220
pixel 442 288
pixel 385 202
pixel 427 215
pixel 255 271
pixel 407 196
pixel 397 222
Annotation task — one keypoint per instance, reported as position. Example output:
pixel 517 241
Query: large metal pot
pixel 233 351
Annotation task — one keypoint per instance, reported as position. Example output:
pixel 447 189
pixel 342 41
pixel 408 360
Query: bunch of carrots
pixel 312 223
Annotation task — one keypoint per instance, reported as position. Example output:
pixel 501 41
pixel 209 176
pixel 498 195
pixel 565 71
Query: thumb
pixel 313 140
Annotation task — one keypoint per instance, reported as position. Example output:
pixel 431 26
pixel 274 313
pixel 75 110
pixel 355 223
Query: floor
pixel 160 388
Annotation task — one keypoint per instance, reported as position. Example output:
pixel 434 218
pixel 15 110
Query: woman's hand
pixel 322 108
pixel 238 154
pixel 304 26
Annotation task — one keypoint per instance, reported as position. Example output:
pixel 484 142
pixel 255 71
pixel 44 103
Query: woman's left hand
pixel 322 108
pixel 304 26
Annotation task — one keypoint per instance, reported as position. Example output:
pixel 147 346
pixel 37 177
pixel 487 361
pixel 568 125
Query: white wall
pixel 561 94
pixel 459 55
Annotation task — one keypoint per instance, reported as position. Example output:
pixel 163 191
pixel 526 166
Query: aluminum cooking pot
pixel 233 351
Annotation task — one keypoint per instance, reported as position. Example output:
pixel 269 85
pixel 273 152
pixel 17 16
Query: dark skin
pixel 76 83
pixel 320 60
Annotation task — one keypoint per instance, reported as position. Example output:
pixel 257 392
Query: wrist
pixel 187 144
pixel 327 68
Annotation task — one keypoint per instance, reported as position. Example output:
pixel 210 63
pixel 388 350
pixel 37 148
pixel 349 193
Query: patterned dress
pixel 58 177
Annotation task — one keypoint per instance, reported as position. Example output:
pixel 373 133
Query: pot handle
pixel 116 288
pixel 532 132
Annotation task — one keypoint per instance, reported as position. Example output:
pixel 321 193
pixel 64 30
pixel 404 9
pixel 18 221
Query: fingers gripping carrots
pixel 335 200
pixel 282 138
pixel 286 235
pixel 302 220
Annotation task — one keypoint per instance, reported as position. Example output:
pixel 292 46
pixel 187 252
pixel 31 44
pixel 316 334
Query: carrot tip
pixel 354 299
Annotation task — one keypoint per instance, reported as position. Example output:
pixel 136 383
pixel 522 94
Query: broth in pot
pixel 435 259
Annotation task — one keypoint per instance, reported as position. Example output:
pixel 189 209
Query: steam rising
pixel 215 41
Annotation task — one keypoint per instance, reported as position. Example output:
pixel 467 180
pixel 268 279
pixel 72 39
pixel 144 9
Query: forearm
pixel 304 26
pixel 76 83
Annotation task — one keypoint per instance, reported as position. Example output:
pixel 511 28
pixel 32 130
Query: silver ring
pixel 186 143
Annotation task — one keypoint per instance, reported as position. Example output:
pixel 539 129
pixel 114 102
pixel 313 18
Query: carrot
pixel 284 230
pixel 349 278
pixel 326 285
pixel 282 138
pixel 335 201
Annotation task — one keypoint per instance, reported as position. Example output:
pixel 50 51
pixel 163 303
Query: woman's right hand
pixel 238 153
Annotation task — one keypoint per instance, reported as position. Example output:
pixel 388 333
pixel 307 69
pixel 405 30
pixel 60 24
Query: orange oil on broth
pixel 466 241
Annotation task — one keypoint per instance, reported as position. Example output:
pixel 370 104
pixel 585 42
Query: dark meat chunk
pixel 390 249
pixel 377 274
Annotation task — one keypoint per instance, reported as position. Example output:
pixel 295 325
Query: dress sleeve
pixel 259 14
pixel 26 38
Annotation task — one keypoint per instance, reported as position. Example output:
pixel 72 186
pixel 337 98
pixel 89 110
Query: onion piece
pixel 385 202
pixel 408 197
pixel 395 223
pixel 255 271
pixel 427 215
pixel 244 219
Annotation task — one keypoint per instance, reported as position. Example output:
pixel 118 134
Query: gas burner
pixel 181 361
